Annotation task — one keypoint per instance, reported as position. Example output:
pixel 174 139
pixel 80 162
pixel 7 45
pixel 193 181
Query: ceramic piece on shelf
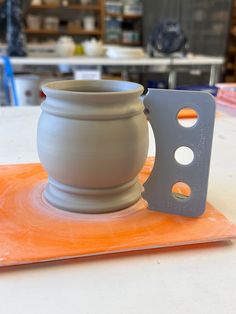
pixel 113 7
pixel 51 23
pixel 33 21
pixel 130 37
pixel 89 23
pixel 65 46
pixel 133 9
pixel 92 141
pixel 125 53
pixel 93 48
pixel 113 30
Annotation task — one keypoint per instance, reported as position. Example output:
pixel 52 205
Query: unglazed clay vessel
pixel 92 141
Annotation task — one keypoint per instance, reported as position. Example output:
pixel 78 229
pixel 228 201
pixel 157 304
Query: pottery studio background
pixel 164 45
pixel 183 44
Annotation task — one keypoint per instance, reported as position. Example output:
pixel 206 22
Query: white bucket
pixel 27 90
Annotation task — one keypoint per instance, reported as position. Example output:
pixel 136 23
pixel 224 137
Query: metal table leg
pixel 172 78
pixel 214 74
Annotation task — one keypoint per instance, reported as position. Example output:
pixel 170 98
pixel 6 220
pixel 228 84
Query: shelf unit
pixel 121 43
pixel 58 33
pixel 84 7
pixel 67 13
pixel 76 11
pixel 124 16
pixel 122 28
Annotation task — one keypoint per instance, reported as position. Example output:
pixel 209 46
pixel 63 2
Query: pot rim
pixel 128 87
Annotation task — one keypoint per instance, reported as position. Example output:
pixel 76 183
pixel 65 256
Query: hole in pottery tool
pixel 184 155
pixel 181 190
pixel 190 114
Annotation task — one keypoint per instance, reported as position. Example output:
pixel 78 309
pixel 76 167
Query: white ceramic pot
pixel 89 23
pixel 92 141
pixel 93 48
pixel 65 47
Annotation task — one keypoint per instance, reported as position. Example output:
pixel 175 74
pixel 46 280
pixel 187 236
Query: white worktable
pixel 201 280
pixel 103 61
pixel 170 64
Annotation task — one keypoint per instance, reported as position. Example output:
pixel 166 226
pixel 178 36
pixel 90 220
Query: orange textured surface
pixel 33 231
pixel 187 113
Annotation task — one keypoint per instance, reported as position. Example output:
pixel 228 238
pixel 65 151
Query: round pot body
pixel 93 141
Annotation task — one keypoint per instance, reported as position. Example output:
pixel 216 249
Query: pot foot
pixel 92 201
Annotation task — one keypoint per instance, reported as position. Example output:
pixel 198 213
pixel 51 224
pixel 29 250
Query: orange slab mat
pixel 188 113
pixel 32 231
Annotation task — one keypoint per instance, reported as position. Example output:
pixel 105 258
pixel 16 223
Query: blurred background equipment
pixel 167 38
pixel 204 22
pixel 160 44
